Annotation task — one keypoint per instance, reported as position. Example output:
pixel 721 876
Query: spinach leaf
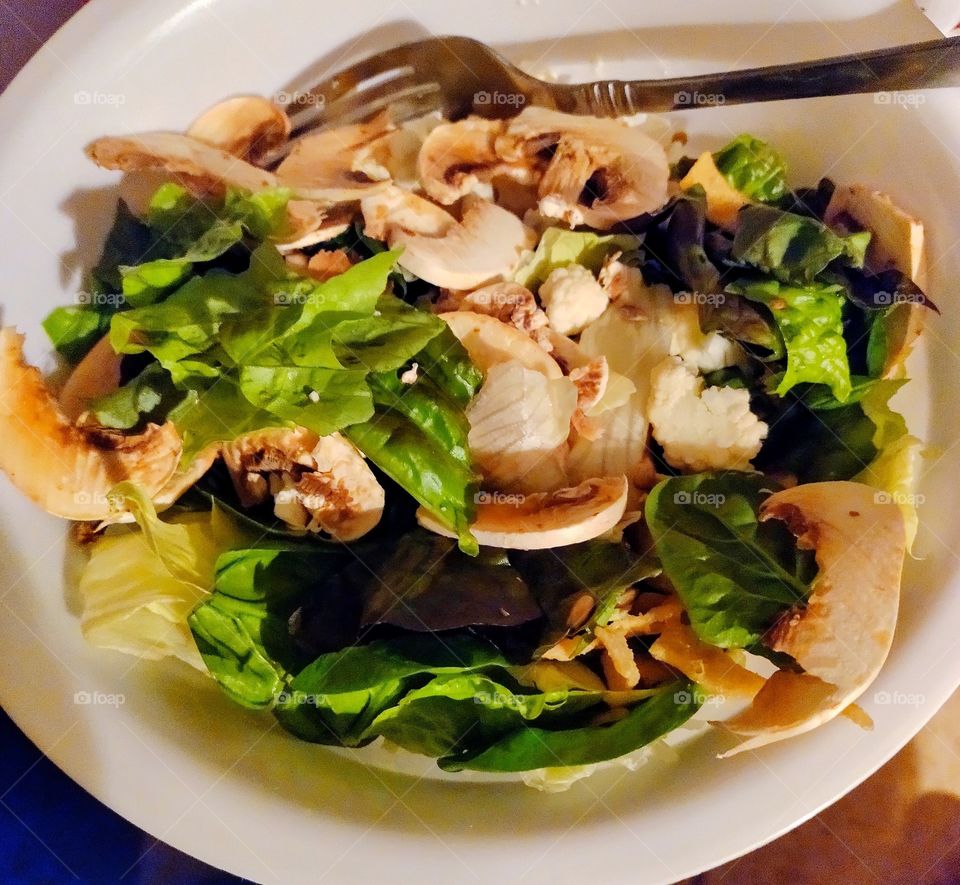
pixel 734 575
pixel 532 747
pixel 335 699
pixel 444 359
pixel 242 629
pixel 438 480
pixel 753 167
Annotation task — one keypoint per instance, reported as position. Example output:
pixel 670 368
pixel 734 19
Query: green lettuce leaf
pixel 734 575
pixel 810 322
pixel 792 248
pixel 532 747
pixel 335 699
pixel 754 168
pixel 444 359
pixel 140 584
pixel 439 481
pixel 75 329
pixel 242 629
pixel 559 247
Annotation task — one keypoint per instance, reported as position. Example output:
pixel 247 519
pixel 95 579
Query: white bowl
pixel 163 747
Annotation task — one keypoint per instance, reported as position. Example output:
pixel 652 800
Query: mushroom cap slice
pixel 898 242
pixel 96 375
pixel 198 162
pixel 320 166
pixel 247 126
pixel 456 158
pixel 69 470
pixel 392 212
pixel 490 341
pixel 841 638
pixel 483 248
pixel 545 519
pixel 623 171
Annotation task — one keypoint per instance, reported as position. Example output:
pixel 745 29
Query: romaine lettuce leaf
pixel 559 247
pixel 810 321
pixel 792 248
pixel 734 574
pixel 753 168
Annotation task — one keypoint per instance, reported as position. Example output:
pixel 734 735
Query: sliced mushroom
pixel 490 341
pixel 510 303
pixel 484 247
pixel 310 223
pixel 519 424
pixel 601 171
pixel 393 155
pixel 842 636
pixel 459 158
pixel 66 469
pixel 897 241
pixel 392 212
pixel 96 375
pixel 251 457
pixel 199 164
pixel 247 126
pixel 320 166
pixel 319 484
pixel 547 519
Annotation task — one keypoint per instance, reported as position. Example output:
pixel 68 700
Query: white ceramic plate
pixel 178 759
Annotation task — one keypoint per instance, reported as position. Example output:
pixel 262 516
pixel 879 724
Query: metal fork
pixel 459 76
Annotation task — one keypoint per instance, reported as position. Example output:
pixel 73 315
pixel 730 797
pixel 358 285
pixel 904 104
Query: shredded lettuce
pixel 754 168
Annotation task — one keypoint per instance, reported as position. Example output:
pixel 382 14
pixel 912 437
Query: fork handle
pixel 935 63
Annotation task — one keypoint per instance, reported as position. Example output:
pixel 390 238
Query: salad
pixel 514 443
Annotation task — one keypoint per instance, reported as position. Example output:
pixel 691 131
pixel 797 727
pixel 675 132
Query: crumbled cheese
pixel 572 298
pixel 313 396
pixel 699 429
pixel 410 375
